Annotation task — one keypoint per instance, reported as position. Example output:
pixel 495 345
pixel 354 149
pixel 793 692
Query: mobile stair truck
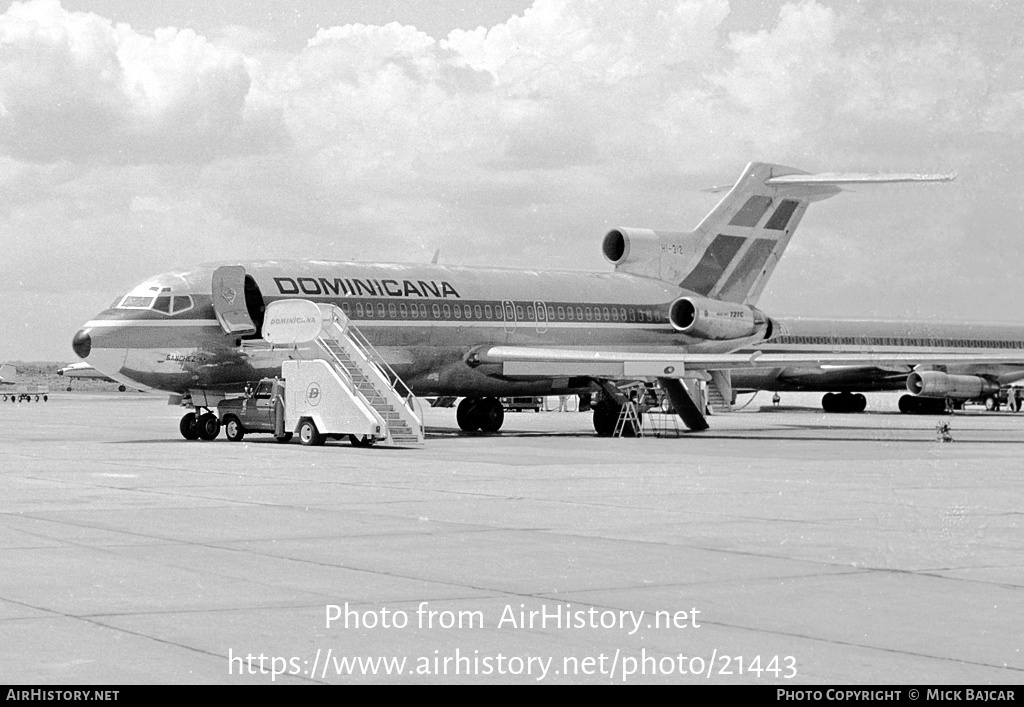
pixel 338 387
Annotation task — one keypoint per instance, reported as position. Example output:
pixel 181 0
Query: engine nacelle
pixel 720 321
pixel 936 384
pixel 624 245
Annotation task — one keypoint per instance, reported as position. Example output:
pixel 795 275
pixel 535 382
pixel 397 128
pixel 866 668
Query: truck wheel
pixel 233 429
pixel 309 435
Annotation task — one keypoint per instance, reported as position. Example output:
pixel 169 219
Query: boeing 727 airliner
pixel 677 305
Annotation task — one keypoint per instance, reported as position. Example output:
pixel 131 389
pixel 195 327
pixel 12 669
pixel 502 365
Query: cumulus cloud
pixel 74 86
pixel 520 143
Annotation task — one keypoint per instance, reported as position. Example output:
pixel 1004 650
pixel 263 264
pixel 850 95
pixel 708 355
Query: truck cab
pixel 254 411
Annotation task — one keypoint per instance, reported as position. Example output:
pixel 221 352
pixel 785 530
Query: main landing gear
pixel 203 426
pixel 844 402
pixel 606 414
pixel 917 405
pixel 484 414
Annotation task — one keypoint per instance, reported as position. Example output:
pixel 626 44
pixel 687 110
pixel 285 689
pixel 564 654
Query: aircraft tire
pixel 991 403
pixel 358 441
pixel 490 413
pixel 309 435
pixel 233 429
pixel 860 403
pixel 606 414
pixel 828 403
pixel 208 427
pixel 121 388
pixel 466 415
pixel 916 405
pixel 46 398
pixel 188 426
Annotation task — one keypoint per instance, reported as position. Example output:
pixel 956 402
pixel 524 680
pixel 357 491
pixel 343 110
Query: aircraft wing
pixel 540 362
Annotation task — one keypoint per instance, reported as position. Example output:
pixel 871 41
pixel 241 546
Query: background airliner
pixel 929 386
pixel 84 370
pixel 677 305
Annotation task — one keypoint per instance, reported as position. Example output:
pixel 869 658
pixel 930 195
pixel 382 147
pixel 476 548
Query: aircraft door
pixel 542 316
pixel 229 300
pixel 508 311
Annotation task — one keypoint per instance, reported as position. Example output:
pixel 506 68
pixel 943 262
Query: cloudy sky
pixel 137 138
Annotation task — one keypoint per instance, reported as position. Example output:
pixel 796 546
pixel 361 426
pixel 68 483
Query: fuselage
pixel 423 319
pixel 839 336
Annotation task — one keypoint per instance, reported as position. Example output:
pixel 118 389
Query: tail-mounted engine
pixel 936 384
pixel 720 321
pixel 633 245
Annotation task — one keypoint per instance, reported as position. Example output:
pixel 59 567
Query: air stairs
pixel 372 379
pixel 716 401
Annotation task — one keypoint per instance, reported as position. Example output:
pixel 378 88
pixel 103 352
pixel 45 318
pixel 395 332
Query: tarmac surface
pixel 785 547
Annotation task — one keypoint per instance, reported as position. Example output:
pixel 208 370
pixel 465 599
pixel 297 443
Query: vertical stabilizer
pixel 735 249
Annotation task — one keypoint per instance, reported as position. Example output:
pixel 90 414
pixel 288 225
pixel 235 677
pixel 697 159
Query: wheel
pixel 187 426
pixel 828 402
pixel 309 435
pixel 45 398
pixel 233 429
pixel 606 414
pixel 121 388
pixel 467 416
pixel 285 438
pixel 208 427
pixel 991 403
pixel 358 441
pixel 490 413
pixel 860 403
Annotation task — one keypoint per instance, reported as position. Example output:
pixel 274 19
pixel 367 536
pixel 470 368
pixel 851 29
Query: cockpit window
pixel 135 302
pixel 160 301
pixel 182 303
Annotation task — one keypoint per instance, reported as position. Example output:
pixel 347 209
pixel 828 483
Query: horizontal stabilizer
pixel 838 178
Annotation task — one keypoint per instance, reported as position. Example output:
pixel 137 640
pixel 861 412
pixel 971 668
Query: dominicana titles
pixel 354 287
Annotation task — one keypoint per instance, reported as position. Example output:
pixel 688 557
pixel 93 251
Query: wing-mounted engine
pixel 718 321
pixel 936 384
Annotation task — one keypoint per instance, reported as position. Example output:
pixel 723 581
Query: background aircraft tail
pixel 735 249
pixel 8 373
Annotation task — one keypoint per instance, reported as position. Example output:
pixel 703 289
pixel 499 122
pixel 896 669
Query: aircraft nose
pixel 81 344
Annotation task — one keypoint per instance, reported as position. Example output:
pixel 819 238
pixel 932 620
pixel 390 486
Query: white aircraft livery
pixel 931 388
pixel 678 305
